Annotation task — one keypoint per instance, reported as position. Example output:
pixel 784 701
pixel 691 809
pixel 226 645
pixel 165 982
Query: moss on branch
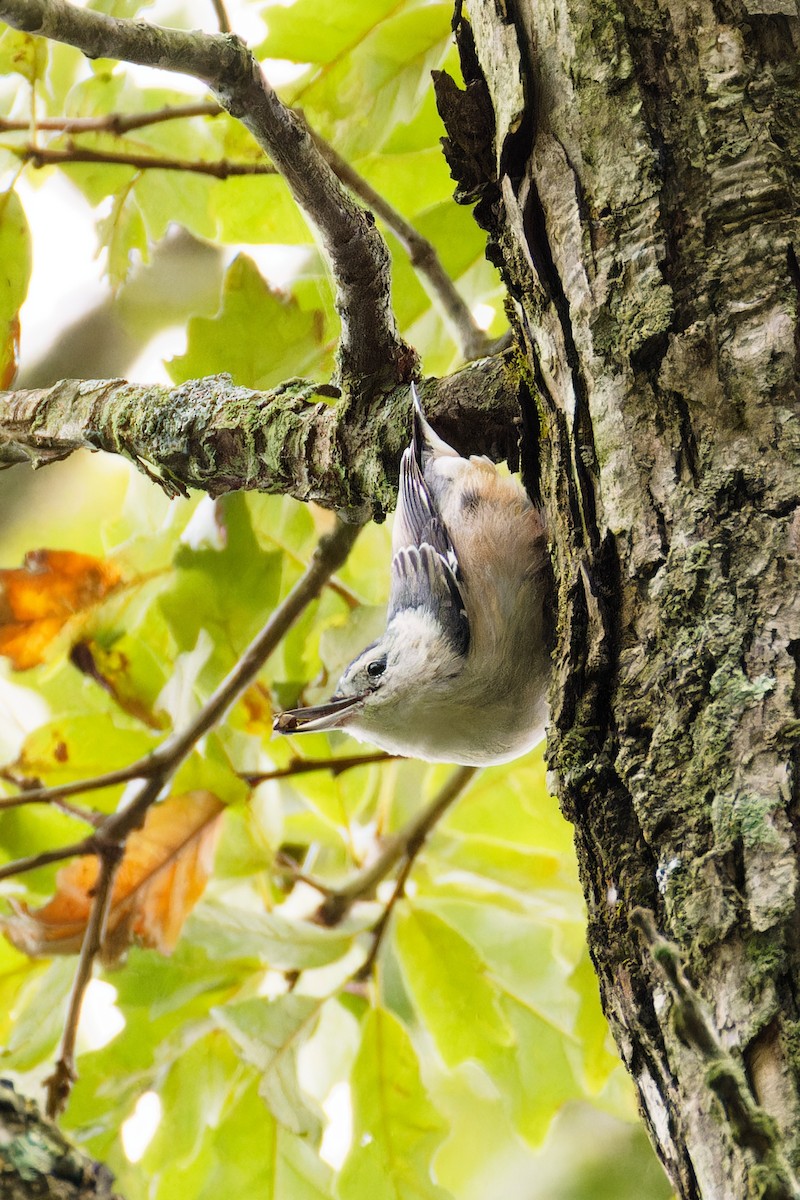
pixel 301 438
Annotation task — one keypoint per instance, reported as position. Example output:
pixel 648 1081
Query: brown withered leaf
pixel 9 352
pixel 38 598
pixel 162 875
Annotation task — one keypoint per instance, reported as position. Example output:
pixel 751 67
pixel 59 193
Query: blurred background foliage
pixel 476 1061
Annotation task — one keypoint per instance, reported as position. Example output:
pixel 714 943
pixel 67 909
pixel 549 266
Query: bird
pixel 461 673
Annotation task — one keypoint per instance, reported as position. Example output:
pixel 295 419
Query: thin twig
pixel 19 866
pixel 472 340
pixel 287 864
pixel 42 796
pixel 330 554
pixel 39 156
pixel 116 123
pixel 109 840
pixel 303 766
pixel 151 765
pixel 405 844
pixel 59 1084
pixel 379 929
pixel 371 349
pixel 222 16
pixel 142 769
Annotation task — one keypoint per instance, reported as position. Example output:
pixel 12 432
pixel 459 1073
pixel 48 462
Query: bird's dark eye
pixel 376 668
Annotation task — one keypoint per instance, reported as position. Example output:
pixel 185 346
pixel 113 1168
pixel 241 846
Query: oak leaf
pixel 40 597
pixel 163 874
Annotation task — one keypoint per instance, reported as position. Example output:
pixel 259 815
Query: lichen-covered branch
pixel 371 350
pixel 38 1163
pixel 211 435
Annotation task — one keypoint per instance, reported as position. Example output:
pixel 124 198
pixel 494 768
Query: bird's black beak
pixel 320 717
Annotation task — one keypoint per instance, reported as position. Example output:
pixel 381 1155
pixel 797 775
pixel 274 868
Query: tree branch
pixel 149 766
pixel 36 1160
pixel 222 17
pixel 472 340
pixel 116 123
pixel 370 347
pixel 40 156
pixel 406 844
pixel 59 1084
pixel 109 839
pixel 209 434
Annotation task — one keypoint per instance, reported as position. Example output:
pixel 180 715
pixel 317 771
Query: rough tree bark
pixel 640 194
pixel 635 165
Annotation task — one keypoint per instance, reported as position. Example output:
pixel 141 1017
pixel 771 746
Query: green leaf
pixel 15 273
pixel 40 1011
pixel 396 1129
pixel 450 986
pixel 307 32
pixel 519 953
pixel 258 336
pixel 247 1154
pixel 82 747
pixel 269 1034
pixel 22 54
pixel 194 1093
pixel 123 232
pixel 280 942
pixel 599 1056
pixel 257 210
pixel 378 79
pixel 535 1075
pixel 224 594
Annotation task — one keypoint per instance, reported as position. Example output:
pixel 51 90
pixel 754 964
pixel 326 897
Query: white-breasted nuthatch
pixel 461 673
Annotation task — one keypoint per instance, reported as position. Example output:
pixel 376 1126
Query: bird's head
pixel 387 683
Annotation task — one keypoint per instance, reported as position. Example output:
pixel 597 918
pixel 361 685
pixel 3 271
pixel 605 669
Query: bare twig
pixel 370 347
pixel 109 840
pixel 75 850
pixel 379 929
pixel 287 864
pixel 54 795
pixel 304 766
pixel 148 766
pixel 406 845
pixel 222 16
pixel 40 156
pixel 471 339
pixel 59 1084
pixel 116 123
pixel 331 552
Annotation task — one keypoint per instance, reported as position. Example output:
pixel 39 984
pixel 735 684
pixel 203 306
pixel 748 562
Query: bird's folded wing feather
pixel 421 578
pixel 425 570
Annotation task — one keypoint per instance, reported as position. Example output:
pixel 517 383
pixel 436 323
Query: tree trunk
pixel 641 198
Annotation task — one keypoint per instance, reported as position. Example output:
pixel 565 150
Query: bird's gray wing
pixel 422 579
pixel 417 521
pixel 425 569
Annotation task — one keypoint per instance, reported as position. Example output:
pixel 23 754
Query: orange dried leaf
pixel 9 353
pixel 38 598
pixel 162 875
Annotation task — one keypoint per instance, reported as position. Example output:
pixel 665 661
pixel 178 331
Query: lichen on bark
pixel 642 211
